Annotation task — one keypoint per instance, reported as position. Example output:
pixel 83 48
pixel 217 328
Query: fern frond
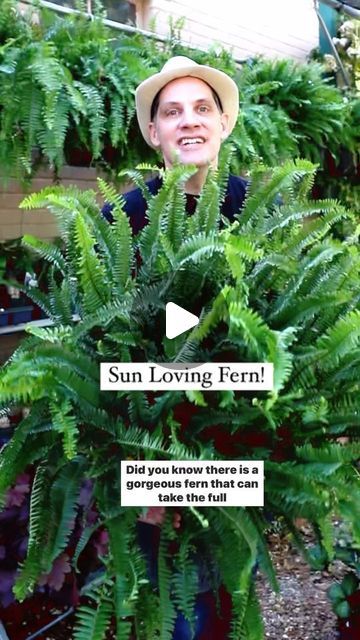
pixel 174 219
pixel 63 506
pixel 95 112
pixel 61 299
pixel 198 248
pixel 67 426
pixel 185 583
pixel 12 462
pixel 249 326
pixel 117 120
pixel 166 605
pixel 253 621
pixel 32 566
pixel 330 453
pixel 92 622
pixel 92 275
pixel 110 193
pixel 50 252
pixel 340 340
pixel 327 535
pixel 124 255
pixel 284 179
pixel 207 214
pixel 264 558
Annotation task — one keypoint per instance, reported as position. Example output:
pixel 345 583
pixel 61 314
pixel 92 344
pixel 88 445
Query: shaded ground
pixel 301 611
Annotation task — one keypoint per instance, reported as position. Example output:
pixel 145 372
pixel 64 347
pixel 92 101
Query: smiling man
pixel 188 126
pixel 185 112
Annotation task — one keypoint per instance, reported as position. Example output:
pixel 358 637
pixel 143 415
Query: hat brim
pixel 222 84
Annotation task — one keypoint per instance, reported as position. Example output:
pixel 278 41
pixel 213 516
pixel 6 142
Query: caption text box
pixel 214 376
pixel 155 483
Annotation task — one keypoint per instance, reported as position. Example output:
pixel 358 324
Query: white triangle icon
pixel 178 320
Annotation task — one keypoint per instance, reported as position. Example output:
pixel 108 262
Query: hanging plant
pixel 277 285
pixel 67 95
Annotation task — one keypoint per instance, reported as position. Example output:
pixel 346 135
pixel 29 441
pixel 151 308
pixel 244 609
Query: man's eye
pixel 203 108
pixel 172 112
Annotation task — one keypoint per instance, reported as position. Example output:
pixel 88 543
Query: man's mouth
pixel 184 142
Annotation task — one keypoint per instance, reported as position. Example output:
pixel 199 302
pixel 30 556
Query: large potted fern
pixel 277 285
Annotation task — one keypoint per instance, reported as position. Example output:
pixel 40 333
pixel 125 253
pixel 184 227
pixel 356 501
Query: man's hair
pixel 156 101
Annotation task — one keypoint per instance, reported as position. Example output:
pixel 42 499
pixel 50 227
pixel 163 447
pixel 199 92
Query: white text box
pixel 212 376
pixel 157 483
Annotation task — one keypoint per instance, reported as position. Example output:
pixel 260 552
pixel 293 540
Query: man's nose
pixel 189 118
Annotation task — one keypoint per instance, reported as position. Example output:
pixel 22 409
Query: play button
pixel 178 320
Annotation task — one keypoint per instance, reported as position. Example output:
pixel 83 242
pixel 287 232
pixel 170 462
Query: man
pixel 186 111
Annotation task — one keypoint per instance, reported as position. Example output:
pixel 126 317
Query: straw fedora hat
pixel 179 67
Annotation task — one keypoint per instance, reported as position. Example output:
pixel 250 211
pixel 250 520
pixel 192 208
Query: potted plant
pixel 20 269
pixel 277 285
pixel 345 600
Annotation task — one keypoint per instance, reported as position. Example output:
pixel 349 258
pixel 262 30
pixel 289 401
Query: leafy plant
pixel 288 110
pixel 277 285
pixel 340 174
pixel 14 26
pixel 339 594
pixel 65 80
pixel 19 265
pixel 67 95
pixel 67 91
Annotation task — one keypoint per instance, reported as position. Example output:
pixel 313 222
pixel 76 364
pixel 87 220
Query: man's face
pixel 188 126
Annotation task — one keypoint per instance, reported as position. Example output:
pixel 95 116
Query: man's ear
pixel 224 126
pixel 153 135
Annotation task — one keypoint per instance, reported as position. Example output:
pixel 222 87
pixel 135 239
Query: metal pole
pixel 98 579
pixel 3 634
pixel 51 624
pixel 58 8
pixel 333 48
pixel 346 8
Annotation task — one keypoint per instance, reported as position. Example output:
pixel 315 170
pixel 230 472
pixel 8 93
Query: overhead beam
pixel 343 6
pixel 118 26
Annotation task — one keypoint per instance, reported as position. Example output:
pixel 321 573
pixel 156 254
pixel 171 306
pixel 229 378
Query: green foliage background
pixel 67 94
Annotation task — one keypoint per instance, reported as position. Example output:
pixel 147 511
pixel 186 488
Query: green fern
pixel 92 622
pixel 32 565
pixel 65 424
pixel 272 287
pixel 185 583
pixel 167 611
pixel 63 506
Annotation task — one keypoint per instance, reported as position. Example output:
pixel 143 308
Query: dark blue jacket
pixel 135 203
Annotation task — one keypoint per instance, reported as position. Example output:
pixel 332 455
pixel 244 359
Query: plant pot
pixel 4 317
pixel 22 314
pixel 6 435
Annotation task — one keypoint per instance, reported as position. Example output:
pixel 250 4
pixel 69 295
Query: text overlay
pixel 215 376
pixel 154 483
